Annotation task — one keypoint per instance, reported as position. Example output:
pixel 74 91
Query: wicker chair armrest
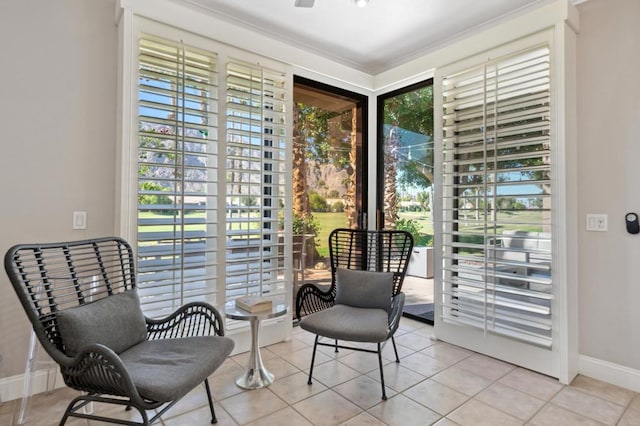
pixel 191 319
pixel 98 369
pixel 311 298
pixel 397 303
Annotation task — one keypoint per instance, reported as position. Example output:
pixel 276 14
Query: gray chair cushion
pixel 344 322
pixel 165 370
pixel 364 289
pixel 114 321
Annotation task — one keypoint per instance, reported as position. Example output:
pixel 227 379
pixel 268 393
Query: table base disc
pixel 255 379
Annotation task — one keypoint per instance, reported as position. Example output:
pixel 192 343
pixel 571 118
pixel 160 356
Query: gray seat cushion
pixel 114 321
pixel 344 322
pixel 164 370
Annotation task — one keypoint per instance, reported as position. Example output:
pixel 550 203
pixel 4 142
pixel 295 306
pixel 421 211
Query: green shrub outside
pixel 411 226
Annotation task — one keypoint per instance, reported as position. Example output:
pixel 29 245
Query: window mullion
pixel 181 119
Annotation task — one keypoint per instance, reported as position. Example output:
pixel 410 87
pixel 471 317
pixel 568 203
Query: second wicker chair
pixel 364 302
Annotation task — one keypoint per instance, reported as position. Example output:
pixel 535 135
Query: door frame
pixel 362 131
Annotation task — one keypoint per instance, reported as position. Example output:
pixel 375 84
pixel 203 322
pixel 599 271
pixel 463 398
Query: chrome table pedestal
pixel 256 374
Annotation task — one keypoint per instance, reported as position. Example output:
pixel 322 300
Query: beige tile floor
pixel 434 383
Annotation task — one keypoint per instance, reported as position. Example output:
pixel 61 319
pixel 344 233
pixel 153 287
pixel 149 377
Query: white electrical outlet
pixel 597 222
pixel 79 220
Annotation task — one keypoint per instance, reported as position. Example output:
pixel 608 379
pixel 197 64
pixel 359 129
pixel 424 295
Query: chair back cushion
pixel 364 289
pixel 114 321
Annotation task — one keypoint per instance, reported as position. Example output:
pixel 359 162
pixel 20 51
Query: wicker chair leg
pixel 83 400
pixel 384 393
pixel 71 408
pixel 313 359
pixel 213 412
pixel 395 349
pixel 63 420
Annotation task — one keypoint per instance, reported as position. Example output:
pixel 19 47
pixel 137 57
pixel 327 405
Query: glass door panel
pixel 329 179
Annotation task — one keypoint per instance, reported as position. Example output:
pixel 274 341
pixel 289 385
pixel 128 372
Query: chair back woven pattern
pixel 379 251
pixel 49 278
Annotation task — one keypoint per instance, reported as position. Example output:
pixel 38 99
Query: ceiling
pixel 372 39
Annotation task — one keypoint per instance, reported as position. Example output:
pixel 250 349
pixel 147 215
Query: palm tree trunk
pixel 300 194
pixel 390 175
pixel 350 201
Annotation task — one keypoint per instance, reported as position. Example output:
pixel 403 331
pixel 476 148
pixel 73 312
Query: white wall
pixel 609 178
pixel 57 127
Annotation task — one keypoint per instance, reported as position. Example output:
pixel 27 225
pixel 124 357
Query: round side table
pixel 256 375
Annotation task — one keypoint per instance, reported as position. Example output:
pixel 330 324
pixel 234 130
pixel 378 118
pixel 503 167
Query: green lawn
pixel 528 221
pixel 328 222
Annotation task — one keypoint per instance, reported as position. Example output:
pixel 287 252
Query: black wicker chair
pixel 82 301
pixel 364 302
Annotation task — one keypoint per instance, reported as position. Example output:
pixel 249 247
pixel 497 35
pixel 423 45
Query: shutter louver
pixel 497 198
pixel 177 175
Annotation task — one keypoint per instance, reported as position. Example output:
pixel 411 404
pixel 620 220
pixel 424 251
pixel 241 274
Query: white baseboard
pixel 609 372
pixel 12 387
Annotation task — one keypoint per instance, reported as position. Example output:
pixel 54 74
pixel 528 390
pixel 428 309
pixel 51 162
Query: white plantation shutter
pixel 255 179
pixel 177 175
pixel 197 194
pixel 497 228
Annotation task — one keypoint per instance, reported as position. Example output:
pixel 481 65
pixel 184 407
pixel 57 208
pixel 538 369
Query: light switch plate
pixel 597 222
pixel 79 220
